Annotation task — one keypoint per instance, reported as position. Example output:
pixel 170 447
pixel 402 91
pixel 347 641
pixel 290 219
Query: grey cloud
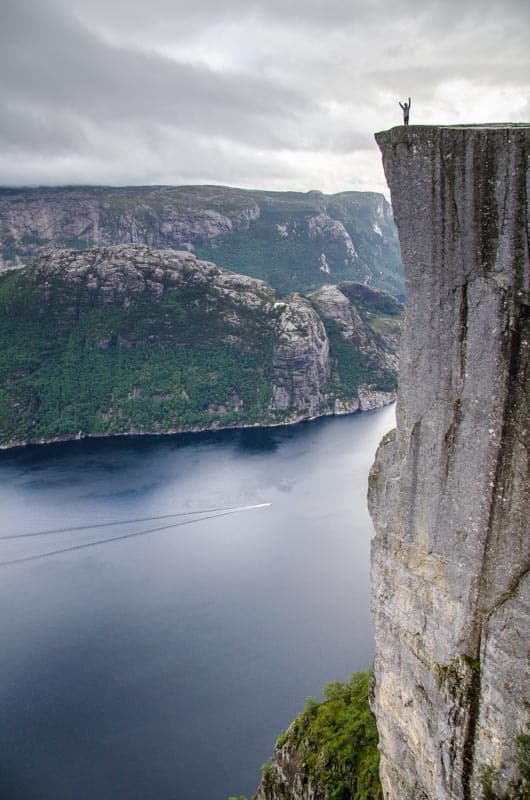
pixel 426 77
pixel 69 68
pixel 134 14
pixel 26 129
pixel 154 157
pixel 253 93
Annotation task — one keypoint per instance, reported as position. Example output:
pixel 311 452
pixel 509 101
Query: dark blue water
pixel 163 667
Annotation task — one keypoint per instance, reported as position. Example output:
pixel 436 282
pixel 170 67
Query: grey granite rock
pixel 334 305
pixel 300 358
pixel 288 779
pixel 449 488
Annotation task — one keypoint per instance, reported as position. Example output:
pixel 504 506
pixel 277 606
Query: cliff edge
pixel 449 488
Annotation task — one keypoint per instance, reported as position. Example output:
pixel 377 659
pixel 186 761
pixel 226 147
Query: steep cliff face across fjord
pixel 295 241
pixel 129 339
pixel 449 490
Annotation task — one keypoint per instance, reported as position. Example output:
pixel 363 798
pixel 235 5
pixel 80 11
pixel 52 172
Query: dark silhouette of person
pixel 406 111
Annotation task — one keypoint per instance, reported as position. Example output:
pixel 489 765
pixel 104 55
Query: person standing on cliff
pixel 406 111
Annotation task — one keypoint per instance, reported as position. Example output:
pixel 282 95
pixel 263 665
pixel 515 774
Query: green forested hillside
pixel 122 340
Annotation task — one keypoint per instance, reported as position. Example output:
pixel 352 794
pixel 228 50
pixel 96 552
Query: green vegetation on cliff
pixel 519 789
pixel 153 365
pixel 131 340
pixel 331 746
pixel 301 241
pixel 353 368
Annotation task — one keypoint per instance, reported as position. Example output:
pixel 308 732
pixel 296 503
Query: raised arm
pixel 409 103
pixel 401 104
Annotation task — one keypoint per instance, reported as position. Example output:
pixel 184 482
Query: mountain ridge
pixel 293 240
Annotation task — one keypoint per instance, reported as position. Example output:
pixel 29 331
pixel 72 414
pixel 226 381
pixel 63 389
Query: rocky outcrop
pixel 286 238
pixel 324 229
pixel 287 778
pixel 369 323
pixel 334 305
pixel 116 276
pixel 375 333
pixel 450 486
pixel 300 358
pixel 129 339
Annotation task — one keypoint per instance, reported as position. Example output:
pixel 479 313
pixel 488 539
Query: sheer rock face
pixel 334 305
pixel 300 358
pixel 290 237
pixel 449 488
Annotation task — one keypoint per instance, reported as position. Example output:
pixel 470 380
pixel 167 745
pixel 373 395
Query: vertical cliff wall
pixel 449 488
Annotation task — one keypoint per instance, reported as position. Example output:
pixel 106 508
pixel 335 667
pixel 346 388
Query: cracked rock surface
pixel 449 488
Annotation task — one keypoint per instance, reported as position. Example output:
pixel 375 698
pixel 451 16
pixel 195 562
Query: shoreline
pixel 68 438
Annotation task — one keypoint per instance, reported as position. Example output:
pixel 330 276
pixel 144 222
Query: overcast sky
pixel 278 94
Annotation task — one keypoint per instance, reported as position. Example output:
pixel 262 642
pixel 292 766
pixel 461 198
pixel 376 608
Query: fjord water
pixel 165 665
